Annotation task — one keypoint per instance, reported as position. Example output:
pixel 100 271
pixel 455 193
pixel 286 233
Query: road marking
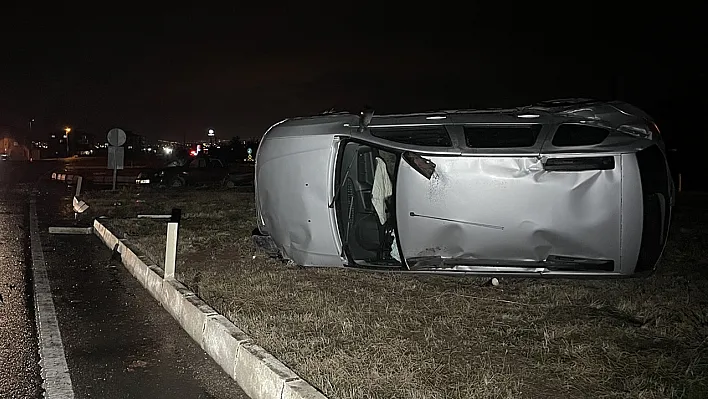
pixel 56 380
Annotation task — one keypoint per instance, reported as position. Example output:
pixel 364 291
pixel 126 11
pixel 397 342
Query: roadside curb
pixel 256 371
pixel 56 380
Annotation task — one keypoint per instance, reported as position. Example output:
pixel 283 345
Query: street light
pixel 67 130
pixel 211 137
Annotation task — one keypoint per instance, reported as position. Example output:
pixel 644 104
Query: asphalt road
pixel 19 369
pixel 118 341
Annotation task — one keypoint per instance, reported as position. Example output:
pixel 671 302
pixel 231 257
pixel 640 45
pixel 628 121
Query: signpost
pixel 116 153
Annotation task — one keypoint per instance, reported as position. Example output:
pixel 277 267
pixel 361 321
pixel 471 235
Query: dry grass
pixel 390 335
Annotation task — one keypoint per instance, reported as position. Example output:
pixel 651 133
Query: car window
pixel 429 136
pixel 501 136
pixel 570 135
pixel 198 163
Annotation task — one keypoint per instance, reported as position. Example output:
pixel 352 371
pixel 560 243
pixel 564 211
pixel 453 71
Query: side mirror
pixel 422 165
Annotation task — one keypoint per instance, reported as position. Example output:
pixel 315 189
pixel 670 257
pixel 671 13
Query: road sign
pixel 116 137
pixel 116 156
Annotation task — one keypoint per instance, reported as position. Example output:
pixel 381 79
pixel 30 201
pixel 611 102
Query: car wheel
pixel 177 182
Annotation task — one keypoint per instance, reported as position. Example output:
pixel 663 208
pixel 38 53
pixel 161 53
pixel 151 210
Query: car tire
pixel 177 182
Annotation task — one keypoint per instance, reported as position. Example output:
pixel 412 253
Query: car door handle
pixel 578 164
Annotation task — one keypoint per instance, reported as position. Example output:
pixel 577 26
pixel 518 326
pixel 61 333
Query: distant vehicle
pixel 563 188
pixel 198 171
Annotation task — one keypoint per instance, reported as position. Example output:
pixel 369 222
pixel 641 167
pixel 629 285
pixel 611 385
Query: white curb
pixel 70 230
pixel 56 379
pixel 257 372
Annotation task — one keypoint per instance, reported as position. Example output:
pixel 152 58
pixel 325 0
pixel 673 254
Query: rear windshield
pixel 572 135
pixel 430 136
pixel 501 136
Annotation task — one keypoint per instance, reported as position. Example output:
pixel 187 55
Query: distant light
pixel 211 132
pixel 528 116
pixel 435 118
pixel 64 136
pixel 67 129
pixel 167 150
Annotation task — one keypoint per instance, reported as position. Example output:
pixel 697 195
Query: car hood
pixel 293 185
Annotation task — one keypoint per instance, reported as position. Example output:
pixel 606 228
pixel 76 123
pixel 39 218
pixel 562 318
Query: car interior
pixel 365 205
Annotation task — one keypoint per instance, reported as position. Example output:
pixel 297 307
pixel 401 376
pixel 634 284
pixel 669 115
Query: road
pixel 19 369
pixel 118 342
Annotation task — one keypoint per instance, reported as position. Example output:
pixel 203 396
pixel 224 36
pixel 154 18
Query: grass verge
pixel 382 335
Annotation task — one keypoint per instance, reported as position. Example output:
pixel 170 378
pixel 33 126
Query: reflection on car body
pixel 565 187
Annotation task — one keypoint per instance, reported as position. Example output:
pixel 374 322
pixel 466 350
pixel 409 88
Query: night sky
pixel 239 70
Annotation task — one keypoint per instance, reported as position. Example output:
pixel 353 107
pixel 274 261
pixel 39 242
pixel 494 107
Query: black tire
pixel 177 182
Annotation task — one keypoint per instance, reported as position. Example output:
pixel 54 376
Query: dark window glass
pixel 501 136
pixel 430 136
pixel 570 135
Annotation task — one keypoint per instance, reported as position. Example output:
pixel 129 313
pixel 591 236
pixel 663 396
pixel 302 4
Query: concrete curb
pixel 70 230
pixel 257 372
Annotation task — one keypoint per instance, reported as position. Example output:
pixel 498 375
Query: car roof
pixel 607 113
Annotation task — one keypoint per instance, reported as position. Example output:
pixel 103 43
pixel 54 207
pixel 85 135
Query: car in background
pixel 571 187
pixel 199 171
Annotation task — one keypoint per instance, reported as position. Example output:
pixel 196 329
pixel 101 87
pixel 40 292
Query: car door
pixel 217 171
pixel 196 171
pixel 399 139
pixel 502 206
pixel 483 204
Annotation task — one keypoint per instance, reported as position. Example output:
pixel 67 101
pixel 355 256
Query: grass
pixel 359 334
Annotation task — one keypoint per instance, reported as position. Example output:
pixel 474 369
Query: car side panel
pixel 508 209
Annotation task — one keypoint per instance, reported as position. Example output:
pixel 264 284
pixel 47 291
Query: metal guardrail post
pixel 171 247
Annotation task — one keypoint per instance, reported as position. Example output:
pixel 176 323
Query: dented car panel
pixel 567 188
pixel 511 208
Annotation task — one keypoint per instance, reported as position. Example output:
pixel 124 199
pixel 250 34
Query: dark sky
pixel 239 70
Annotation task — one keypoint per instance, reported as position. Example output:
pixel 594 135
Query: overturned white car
pixel 565 187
